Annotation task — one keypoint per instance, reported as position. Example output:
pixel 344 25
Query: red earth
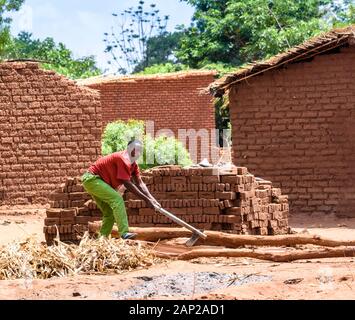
pixel 303 279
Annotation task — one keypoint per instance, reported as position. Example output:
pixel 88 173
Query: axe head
pixel 194 238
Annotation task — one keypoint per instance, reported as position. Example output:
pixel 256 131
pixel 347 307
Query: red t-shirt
pixel 115 168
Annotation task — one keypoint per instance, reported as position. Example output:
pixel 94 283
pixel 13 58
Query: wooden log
pixel 147 234
pixel 215 238
pixel 276 257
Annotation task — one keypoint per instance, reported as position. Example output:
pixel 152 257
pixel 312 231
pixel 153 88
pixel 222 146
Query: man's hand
pixel 144 189
pixel 134 189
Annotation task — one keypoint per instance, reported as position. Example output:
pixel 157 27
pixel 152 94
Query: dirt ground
pixel 304 279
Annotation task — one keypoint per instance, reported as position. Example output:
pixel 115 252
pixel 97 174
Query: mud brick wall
pixel 207 198
pixel 172 101
pixel 295 126
pixel 50 128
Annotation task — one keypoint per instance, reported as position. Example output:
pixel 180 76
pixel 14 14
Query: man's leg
pixel 106 194
pixel 108 219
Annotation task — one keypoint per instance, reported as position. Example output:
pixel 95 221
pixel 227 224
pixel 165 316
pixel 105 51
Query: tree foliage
pixel 54 56
pixel 7 6
pixel 164 151
pixel 139 39
pixel 161 150
pixel 230 33
pixel 238 31
pixel 347 17
pixel 160 50
pixel 164 68
pixel 117 135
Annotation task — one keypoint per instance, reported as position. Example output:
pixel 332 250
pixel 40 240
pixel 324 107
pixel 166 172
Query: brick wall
pixel 296 126
pixel 172 101
pixel 50 128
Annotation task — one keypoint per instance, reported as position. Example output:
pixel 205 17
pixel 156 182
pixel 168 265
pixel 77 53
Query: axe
pixel 196 234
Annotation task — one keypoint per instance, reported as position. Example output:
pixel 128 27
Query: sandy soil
pixel 315 279
pixel 21 222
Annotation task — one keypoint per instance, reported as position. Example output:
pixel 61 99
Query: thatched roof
pixel 315 46
pixel 135 78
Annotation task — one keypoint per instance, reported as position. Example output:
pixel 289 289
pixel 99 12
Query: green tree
pixel 139 39
pixel 238 31
pixel 7 6
pixel 348 17
pixel 168 67
pixel 230 33
pixel 163 151
pixel 159 151
pixel 117 135
pixel 160 50
pixel 54 56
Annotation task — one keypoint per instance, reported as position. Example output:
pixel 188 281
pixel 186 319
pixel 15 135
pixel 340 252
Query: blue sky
pixel 80 24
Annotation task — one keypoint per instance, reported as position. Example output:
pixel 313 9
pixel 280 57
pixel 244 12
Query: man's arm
pixel 130 186
pixel 143 188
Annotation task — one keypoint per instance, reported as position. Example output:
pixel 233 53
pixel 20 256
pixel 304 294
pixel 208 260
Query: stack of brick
pixel 71 210
pixel 212 199
pixel 232 201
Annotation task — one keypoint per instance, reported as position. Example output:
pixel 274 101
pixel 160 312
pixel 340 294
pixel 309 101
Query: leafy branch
pixel 128 40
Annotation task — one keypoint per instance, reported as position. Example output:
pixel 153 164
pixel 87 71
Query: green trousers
pixel 109 201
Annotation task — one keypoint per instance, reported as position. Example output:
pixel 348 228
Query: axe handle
pixel 180 222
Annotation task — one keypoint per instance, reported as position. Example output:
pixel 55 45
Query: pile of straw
pixel 34 260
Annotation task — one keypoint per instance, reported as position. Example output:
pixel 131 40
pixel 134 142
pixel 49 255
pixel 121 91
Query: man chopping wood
pixel 109 173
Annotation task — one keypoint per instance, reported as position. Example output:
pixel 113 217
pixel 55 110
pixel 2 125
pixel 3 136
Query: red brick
pixel 53 213
pixel 190 195
pixel 230 179
pixel 233 210
pixel 242 170
pixel 226 195
pixel 211 210
pixel 206 195
pixel 51 221
pixel 83 212
pixel 59 196
pixel 67 213
pixel 178 180
pixel 175 195
pixel 158 180
pixel 194 210
pixel 195 179
pixel 179 210
pixel 230 219
pixel 167 180
pixel 83 220
pixel 208 171
pixel 210 179
pixel 147 211
pixel 64 221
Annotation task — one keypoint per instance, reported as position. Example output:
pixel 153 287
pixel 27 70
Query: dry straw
pixel 30 259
